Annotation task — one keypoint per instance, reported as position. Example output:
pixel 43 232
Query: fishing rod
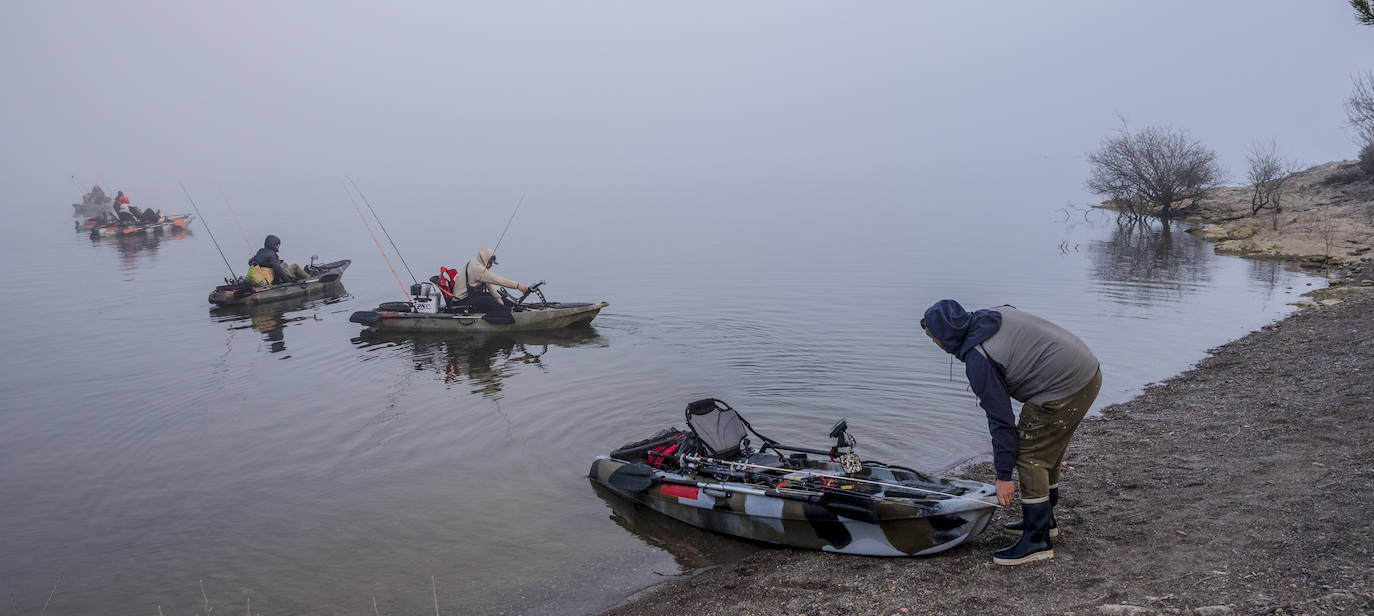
pixel 207 229
pixel 77 183
pixel 733 465
pixel 512 219
pixel 379 224
pixel 236 217
pixel 404 292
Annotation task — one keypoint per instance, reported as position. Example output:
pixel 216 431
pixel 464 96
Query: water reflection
pixel 271 319
pixel 483 361
pixel 130 246
pixel 1147 263
pixel 691 547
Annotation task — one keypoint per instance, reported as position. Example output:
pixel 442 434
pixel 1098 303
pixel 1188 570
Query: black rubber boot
pixel 1019 525
pixel 1035 541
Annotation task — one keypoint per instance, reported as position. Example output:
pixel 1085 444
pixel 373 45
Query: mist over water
pixel 768 197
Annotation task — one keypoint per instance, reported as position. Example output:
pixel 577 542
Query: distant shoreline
pixel 1327 220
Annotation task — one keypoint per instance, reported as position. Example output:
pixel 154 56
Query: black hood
pixel 271 242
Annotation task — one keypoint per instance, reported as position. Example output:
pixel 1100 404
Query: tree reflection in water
pixel 1146 263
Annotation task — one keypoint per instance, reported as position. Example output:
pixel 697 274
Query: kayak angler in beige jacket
pixel 480 285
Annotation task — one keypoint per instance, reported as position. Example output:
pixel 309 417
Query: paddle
pixel 632 478
pixel 365 317
pixel 640 477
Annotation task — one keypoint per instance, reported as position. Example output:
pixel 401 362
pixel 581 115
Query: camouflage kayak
pixel 324 278
pixel 398 317
pixel 809 498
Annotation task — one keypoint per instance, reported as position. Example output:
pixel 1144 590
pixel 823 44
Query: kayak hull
pixel 172 222
pixel 896 526
pixel 555 316
pixel 327 276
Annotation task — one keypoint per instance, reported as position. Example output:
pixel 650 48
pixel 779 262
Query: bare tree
pixel 1325 225
pixel 1152 172
pixel 1269 172
pixel 1359 108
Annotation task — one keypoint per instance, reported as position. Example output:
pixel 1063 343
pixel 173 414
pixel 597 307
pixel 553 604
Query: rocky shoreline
pixel 1327 219
pixel 1242 486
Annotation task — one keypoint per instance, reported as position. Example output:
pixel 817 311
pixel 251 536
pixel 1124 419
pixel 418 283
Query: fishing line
pixel 512 219
pixel 379 224
pixel 359 210
pixel 205 222
pixel 236 217
pixel 839 477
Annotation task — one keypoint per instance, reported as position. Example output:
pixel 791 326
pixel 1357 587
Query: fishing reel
pixel 843 449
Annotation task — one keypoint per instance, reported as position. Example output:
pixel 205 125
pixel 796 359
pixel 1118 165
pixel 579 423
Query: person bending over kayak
pixel 267 259
pixel 479 288
pixel 1010 353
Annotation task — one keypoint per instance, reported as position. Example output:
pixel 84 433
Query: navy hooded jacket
pixel 959 331
pixel 267 257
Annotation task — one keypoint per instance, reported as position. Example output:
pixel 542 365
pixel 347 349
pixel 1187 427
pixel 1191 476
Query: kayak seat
pixel 719 427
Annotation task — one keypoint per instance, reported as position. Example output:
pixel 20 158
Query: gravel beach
pixel 1242 486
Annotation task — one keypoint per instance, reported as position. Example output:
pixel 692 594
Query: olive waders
pixel 1045 430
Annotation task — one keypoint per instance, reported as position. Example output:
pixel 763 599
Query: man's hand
pixel 522 288
pixel 1006 491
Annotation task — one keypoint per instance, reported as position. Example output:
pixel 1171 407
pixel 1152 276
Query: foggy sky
pixel 570 98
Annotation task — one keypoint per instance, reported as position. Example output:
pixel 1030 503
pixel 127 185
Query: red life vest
pixel 446 279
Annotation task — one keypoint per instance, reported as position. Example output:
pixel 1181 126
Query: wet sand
pixel 1242 486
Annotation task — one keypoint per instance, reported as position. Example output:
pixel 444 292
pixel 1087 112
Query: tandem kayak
pixel 816 499
pixel 121 228
pixel 240 293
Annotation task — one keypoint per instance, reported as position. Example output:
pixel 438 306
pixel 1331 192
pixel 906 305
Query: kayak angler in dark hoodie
pixel 1009 353
pixel 267 257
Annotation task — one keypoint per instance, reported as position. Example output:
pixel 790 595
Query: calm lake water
pixel 149 444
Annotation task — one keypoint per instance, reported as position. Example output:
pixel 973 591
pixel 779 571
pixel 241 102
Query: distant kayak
pixel 123 228
pixel 243 294
pixel 91 210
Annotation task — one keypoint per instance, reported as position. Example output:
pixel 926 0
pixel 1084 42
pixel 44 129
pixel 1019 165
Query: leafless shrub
pixel 1152 172
pixel 1366 164
pixel 1269 172
pixel 1359 110
pixel 1327 228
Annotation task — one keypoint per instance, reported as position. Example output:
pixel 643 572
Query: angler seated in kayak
pixel 148 216
pixel 480 287
pixel 266 268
